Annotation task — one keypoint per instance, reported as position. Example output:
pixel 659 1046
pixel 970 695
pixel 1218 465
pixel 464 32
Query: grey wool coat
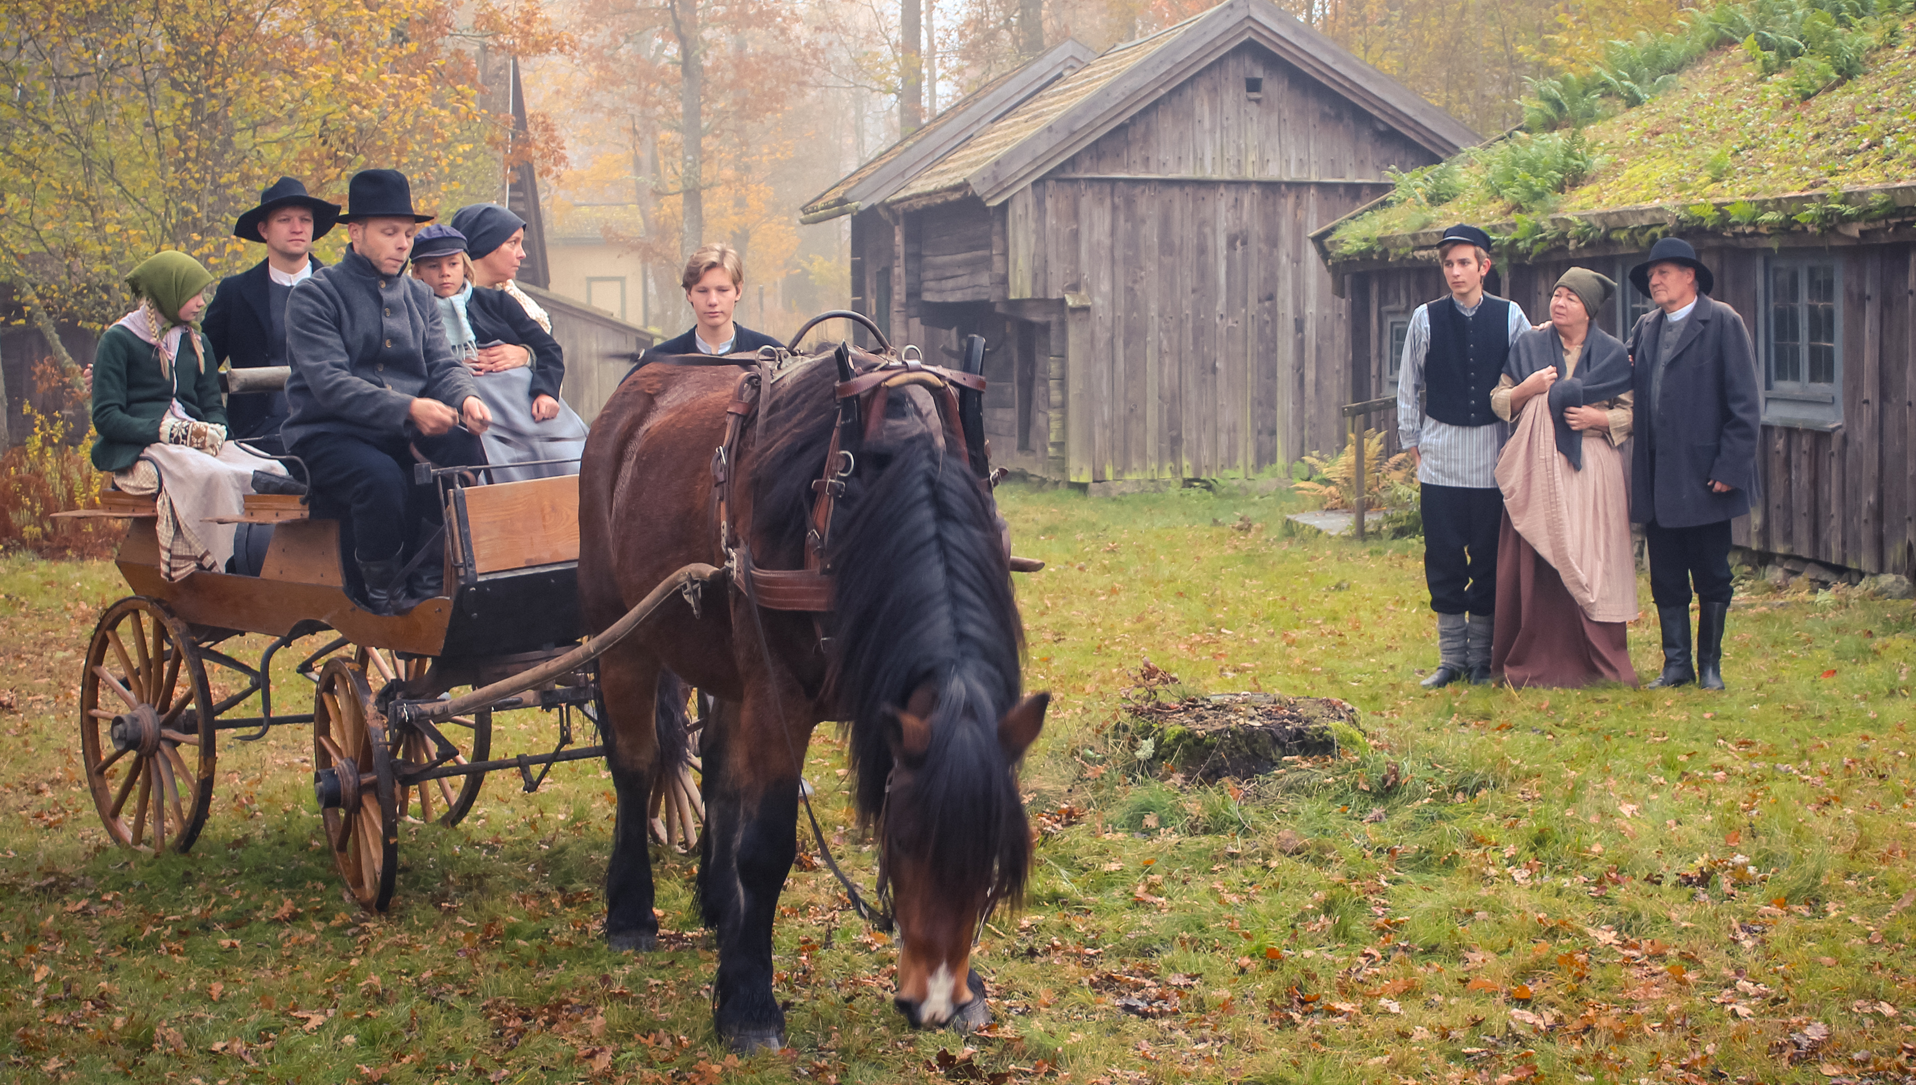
pixel 363 346
pixel 1705 424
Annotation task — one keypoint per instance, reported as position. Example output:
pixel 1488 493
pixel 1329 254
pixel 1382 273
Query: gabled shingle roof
pixel 1077 109
pixel 880 178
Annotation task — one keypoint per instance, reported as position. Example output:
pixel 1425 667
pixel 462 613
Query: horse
pixel 918 659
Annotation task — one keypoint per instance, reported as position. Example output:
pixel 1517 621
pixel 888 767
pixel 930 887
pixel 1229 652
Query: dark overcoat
pixel 497 317
pixel 239 324
pixel 363 346
pixel 1706 421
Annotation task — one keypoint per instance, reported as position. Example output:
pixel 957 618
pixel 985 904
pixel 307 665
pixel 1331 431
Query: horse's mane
pixel 922 594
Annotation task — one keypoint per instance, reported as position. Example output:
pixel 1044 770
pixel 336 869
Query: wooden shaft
pixel 573 660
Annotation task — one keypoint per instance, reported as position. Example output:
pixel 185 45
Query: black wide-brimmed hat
pixel 380 194
pixel 1671 250
pixel 1467 234
pixel 287 191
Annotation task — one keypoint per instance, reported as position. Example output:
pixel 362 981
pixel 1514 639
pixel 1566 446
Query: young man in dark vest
pixel 1453 355
pixel 1693 469
pixel 247 320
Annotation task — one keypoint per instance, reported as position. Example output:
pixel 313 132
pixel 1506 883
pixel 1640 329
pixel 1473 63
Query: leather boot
pixel 1677 669
pixel 1477 633
pixel 382 595
pixel 1452 642
pixel 1709 645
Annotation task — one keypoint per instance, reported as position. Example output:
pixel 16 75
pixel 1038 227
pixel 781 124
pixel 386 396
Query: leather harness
pixel 862 394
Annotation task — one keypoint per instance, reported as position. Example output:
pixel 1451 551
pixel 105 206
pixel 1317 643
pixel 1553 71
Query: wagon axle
pixel 137 731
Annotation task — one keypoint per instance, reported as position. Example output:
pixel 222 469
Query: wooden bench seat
pixel 115 505
pixel 268 509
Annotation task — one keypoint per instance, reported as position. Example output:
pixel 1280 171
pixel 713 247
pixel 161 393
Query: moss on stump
pixel 1240 735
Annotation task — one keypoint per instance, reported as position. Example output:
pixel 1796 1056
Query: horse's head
pixel 955 843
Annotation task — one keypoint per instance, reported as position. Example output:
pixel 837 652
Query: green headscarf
pixel 169 280
pixel 1592 288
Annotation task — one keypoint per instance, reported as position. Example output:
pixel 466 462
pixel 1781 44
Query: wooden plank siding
pixel 1844 496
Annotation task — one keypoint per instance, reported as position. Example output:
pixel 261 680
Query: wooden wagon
pixel 389 742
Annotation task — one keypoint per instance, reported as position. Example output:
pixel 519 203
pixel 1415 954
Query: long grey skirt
pixel 516 438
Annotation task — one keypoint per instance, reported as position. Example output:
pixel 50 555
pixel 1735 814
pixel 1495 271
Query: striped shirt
pixel 1447 455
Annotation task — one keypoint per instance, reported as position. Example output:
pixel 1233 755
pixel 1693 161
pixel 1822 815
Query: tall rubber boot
pixel 1677 669
pixel 1477 634
pixel 382 595
pixel 1709 645
pixel 1452 643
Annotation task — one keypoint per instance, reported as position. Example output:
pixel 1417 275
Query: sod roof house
pixel 1799 191
pixel 1130 233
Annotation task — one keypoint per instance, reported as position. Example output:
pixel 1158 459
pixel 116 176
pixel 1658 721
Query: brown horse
pixel 918 657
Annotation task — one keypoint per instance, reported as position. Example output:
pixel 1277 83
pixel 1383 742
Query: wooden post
pixel 1357 440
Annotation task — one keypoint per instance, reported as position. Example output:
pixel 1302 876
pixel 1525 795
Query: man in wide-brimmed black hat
pixel 1454 353
pixel 247 320
pixel 373 381
pixel 1694 466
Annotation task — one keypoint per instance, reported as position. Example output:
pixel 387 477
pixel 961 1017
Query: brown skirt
pixel 1542 637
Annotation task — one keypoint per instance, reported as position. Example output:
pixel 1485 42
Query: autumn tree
pixel 138 127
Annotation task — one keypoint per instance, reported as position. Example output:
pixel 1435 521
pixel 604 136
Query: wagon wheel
pixel 353 780
pixel 144 683
pixel 448 799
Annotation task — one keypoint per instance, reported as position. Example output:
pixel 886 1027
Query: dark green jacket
pixel 130 396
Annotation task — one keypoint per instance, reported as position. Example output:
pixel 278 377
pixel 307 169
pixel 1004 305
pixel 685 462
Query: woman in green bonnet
pixel 159 419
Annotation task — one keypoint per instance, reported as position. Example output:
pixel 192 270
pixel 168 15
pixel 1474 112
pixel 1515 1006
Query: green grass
pixel 1605 885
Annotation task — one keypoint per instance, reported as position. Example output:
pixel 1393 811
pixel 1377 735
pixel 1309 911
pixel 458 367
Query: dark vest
pixel 1465 361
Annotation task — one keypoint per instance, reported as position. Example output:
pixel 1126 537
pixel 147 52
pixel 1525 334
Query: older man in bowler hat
pixel 247 321
pixel 1454 354
pixel 1694 468
pixel 373 382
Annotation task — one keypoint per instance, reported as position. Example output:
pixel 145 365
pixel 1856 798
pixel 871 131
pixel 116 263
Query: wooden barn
pixel 1131 234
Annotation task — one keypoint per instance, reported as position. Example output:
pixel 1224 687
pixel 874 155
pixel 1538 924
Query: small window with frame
pixel 1396 330
pixel 1631 305
pixel 1802 342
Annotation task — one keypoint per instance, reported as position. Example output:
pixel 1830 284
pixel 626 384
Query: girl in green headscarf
pixel 160 422
pixel 146 388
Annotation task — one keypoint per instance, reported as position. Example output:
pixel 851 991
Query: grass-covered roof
pixel 1772 116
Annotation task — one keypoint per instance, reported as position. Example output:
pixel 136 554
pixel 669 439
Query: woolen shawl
pixel 1603 373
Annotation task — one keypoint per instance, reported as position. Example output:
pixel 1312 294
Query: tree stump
pixel 1240 735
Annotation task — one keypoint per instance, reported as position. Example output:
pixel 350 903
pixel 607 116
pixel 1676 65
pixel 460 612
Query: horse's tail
pixel 672 721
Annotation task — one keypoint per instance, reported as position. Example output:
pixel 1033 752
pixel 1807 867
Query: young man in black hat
pixel 1694 466
pixel 1453 355
pixel 373 380
pixel 247 321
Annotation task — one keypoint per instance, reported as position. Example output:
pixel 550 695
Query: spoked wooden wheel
pixel 146 727
pixel 447 799
pixel 353 780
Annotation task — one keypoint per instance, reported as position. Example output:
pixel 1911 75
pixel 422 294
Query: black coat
pixel 497 317
pixel 239 324
pixel 744 341
pixel 1706 421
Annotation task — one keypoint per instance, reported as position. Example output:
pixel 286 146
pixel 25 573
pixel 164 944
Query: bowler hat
pixel 380 194
pixel 1671 250
pixel 1469 235
pixel 437 240
pixel 284 192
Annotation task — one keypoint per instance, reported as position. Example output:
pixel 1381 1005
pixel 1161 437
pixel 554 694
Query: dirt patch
pixel 1239 735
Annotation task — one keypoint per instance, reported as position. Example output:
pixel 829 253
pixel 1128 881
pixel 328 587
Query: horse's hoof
pixel 971 1016
pixel 631 941
pixel 754 1040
